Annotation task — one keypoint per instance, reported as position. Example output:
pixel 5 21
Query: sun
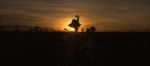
pixel 70 29
pixel 64 22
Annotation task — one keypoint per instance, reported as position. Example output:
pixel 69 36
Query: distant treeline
pixel 37 28
pixel 24 28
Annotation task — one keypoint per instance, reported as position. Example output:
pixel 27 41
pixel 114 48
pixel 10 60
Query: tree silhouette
pixel 88 30
pixel 93 29
pixel 82 29
pixel 75 23
pixel 36 28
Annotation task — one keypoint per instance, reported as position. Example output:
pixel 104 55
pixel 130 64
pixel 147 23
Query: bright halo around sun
pixel 70 29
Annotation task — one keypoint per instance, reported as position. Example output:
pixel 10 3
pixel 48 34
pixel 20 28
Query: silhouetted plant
pixel 82 29
pixel 75 23
pixel 93 29
pixel 88 30
pixel 37 28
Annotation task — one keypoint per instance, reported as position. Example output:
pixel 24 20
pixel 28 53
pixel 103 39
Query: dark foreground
pixel 77 49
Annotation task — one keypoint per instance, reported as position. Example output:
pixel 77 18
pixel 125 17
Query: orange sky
pixel 105 15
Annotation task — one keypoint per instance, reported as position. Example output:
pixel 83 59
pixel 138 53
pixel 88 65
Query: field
pixel 77 49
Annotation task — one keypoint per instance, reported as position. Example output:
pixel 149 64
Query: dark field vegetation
pixel 77 49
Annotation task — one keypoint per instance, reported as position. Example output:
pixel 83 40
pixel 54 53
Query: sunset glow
pixel 105 15
pixel 67 20
pixel 76 32
pixel 70 29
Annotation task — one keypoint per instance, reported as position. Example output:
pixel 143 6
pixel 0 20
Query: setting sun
pixel 64 23
pixel 70 29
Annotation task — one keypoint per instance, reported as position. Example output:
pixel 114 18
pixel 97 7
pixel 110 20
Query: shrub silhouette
pixel 91 29
pixel 88 30
pixel 75 23
pixel 82 30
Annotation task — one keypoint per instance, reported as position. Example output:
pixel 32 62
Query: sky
pixel 105 15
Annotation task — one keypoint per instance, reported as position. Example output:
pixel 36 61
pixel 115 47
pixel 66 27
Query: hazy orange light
pixel 69 28
pixel 64 22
